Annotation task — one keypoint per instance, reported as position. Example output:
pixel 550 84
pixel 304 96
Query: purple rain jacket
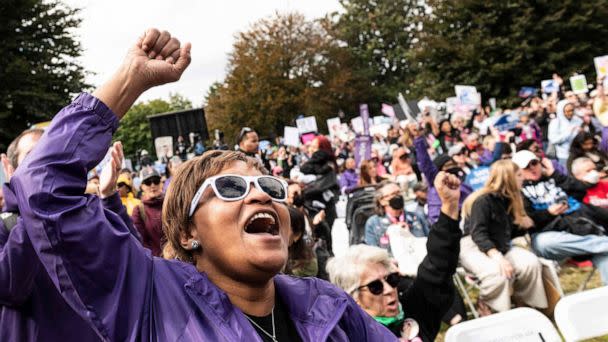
pixel 430 171
pixel 112 282
pixel 28 309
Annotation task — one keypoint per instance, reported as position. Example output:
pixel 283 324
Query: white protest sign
pixel 578 84
pixel 601 65
pixel 357 124
pixel 549 86
pixel 467 95
pixel 333 126
pixel 450 104
pixel 307 124
pixel 164 147
pixel 380 129
pixel 291 136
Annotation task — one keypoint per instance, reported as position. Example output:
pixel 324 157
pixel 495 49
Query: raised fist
pixel 448 189
pixel 157 58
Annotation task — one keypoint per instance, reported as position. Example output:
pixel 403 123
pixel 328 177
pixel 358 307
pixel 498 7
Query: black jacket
pixel 431 294
pixel 490 225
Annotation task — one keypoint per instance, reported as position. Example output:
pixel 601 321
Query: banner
pixel 364 112
pixel 363 149
pixel 333 127
pixel 307 124
pixel 578 84
pixel 291 136
pixel 525 92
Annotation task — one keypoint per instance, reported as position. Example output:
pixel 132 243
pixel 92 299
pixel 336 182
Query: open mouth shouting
pixel 263 223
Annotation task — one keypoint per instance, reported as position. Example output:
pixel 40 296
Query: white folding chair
pixel 583 315
pixel 521 324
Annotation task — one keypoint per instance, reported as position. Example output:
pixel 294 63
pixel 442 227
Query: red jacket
pixel 150 225
pixel 597 195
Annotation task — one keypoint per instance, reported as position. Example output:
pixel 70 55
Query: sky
pixel 110 27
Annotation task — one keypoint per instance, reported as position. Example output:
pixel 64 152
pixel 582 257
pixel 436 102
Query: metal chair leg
pixel 465 294
pixel 583 286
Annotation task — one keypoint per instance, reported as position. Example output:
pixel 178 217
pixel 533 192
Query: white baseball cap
pixel 523 158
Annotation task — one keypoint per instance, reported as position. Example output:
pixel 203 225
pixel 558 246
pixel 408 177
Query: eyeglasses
pixel 150 181
pixel 532 163
pixel 231 188
pixel 376 287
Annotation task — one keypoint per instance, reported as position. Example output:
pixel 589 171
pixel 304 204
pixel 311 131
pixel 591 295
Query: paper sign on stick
pixel 292 136
pixel 578 84
pixel 365 117
pixel 467 95
pixel 549 86
pixel 333 126
pixel 307 124
pixel 601 65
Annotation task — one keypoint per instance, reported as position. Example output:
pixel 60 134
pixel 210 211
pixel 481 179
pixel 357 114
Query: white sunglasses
pixel 231 187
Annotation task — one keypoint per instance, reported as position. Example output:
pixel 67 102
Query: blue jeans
pixel 561 245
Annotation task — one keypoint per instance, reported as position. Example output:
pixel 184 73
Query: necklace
pixel 274 335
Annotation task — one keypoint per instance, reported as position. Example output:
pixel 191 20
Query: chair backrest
pixel 521 324
pixel 357 229
pixel 583 315
pixel 360 196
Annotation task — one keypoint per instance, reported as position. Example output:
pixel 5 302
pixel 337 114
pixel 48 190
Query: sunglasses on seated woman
pixel 236 187
pixel 376 287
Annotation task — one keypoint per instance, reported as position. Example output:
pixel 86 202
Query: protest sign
pixel 291 136
pixel 478 177
pixel 388 110
pixel 164 147
pixel 578 84
pixel 506 122
pixel 450 104
pixel 357 124
pixel 364 112
pixel 467 95
pixel 308 137
pixel 363 149
pixel 601 65
pixel 333 126
pixel 549 86
pixel 307 124
pixel 525 92
pixel 127 164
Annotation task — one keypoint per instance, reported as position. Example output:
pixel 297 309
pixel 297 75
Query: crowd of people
pixel 237 244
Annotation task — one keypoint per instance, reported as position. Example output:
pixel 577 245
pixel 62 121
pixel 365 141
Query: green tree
pixel 500 46
pixel 379 35
pixel 134 131
pixel 282 67
pixel 39 73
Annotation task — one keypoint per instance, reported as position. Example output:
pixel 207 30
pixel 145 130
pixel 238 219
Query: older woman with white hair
pixel 369 276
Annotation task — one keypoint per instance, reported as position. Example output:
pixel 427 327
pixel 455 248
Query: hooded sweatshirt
pixel 562 131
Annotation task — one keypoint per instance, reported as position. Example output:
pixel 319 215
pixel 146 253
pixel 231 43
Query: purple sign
pixel 363 148
pixel 364 111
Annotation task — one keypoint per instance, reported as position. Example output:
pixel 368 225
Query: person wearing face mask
pixel 368 275
pixel 390 210
pixel 584 169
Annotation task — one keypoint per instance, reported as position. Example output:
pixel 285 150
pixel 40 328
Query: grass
pixel 570 279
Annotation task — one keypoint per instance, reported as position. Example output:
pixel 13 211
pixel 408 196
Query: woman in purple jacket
pixel 224 219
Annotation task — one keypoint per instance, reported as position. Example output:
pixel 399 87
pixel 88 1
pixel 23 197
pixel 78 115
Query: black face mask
pixel 298 200
pixel 397 202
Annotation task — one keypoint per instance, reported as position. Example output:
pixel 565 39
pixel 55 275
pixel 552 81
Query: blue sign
pixel 506 122
pixel 478 177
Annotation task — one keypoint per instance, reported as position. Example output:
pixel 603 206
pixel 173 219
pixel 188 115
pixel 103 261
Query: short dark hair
pixel 525 145
pixel 12 153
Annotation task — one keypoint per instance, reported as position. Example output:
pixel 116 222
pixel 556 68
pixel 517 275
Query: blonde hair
pixel 184 185
pixel 503 182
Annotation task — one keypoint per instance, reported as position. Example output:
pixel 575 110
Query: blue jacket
pixel 117 286
pixel 376 226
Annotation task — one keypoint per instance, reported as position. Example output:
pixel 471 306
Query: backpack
pixel 9 219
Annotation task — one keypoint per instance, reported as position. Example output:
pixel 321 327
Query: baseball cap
pixel 523 158
pixel 125 180
pixel 455 150
pixel 149 172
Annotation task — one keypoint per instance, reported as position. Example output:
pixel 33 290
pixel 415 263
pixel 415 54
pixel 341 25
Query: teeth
pixel 262 215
